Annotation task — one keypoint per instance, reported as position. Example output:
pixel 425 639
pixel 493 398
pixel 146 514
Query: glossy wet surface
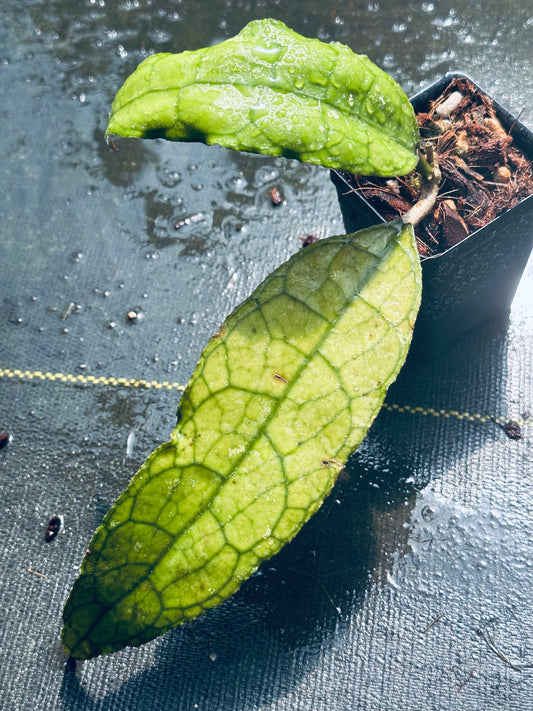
pixel 429 524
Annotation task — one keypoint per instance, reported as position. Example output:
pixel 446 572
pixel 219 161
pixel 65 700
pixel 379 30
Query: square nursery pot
pixel 475 279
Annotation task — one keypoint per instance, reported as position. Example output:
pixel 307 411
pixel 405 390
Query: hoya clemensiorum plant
pixel 290 384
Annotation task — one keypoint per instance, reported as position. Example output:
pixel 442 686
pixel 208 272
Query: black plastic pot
pixel 477 278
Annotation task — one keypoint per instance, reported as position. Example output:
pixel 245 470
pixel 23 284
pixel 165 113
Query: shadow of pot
pixel 475 279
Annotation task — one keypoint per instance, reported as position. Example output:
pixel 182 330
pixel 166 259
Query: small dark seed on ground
pixel 54 527
pixel 513 430
pixel 309 239
pixel 275 197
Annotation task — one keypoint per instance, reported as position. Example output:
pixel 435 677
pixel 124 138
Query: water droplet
pixel 130 443
pixel 427 513
pixel 169 178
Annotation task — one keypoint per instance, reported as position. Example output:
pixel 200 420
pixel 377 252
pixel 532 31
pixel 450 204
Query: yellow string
pixel 88 379
pixel 165 385
pixel 469 416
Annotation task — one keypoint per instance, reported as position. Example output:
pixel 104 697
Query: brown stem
pixel 431 175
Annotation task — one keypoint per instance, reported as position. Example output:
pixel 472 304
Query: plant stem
pixel 428 166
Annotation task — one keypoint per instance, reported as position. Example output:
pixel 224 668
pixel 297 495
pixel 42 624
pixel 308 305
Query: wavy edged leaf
pixel 270 90
pixel 279 399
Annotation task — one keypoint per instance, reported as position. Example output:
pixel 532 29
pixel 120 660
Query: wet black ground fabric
pixel 412 587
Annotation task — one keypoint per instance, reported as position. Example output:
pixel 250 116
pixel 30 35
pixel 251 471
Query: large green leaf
pixel 270 90
pixel 279 399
